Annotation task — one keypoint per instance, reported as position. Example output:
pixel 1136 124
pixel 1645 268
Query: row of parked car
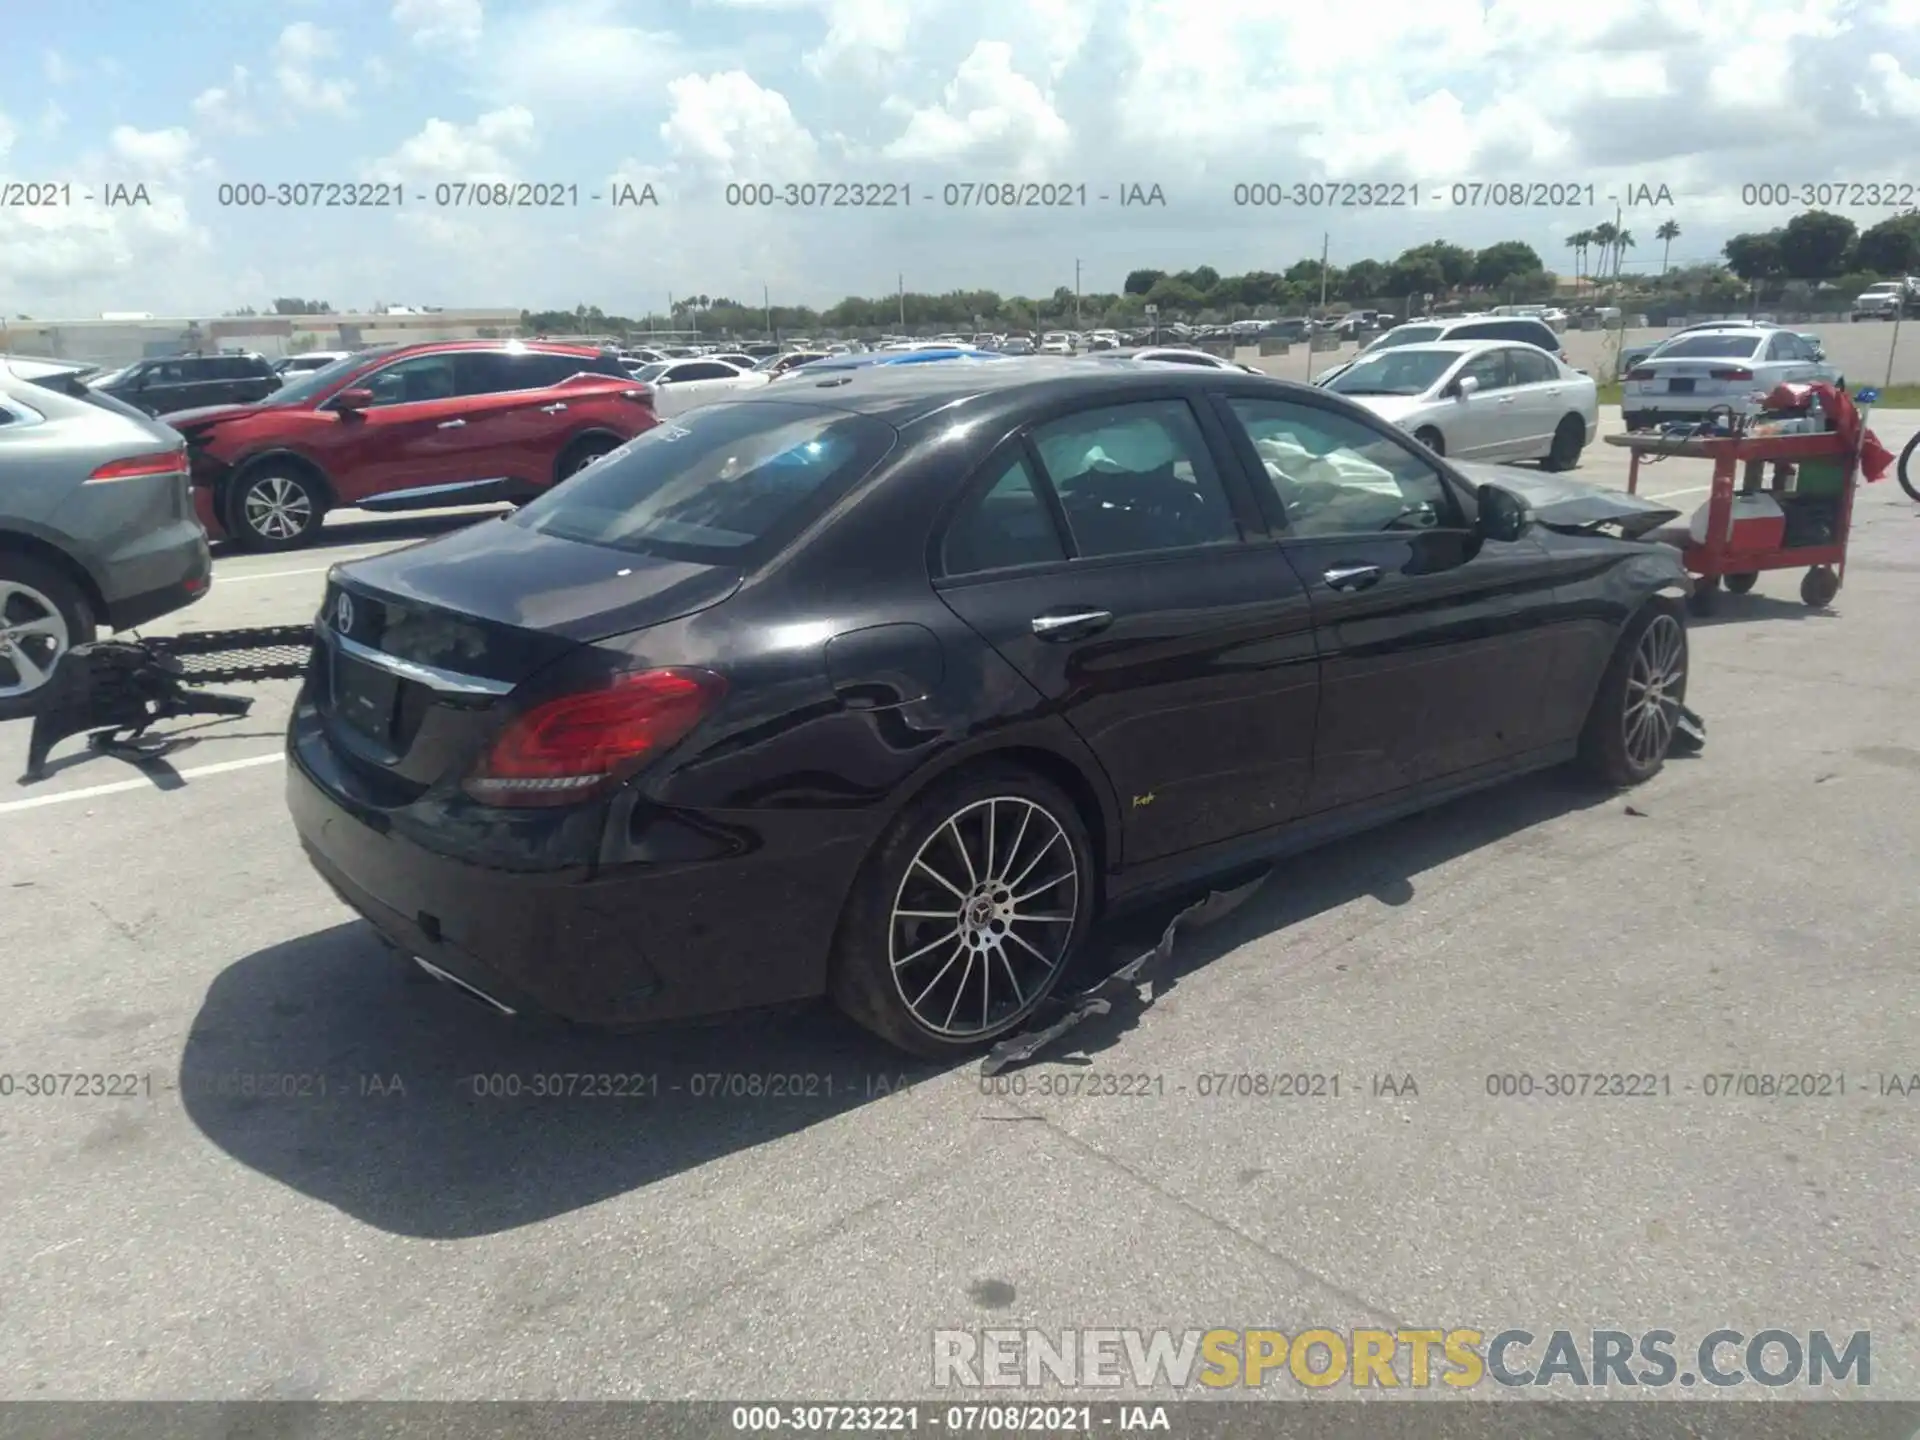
pixel 453 423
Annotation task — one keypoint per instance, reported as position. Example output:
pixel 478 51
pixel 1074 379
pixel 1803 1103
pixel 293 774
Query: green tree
pixel 1817 245
pixel 1579 242
pixel 1892 247
pixel 1755 256
pixel 1141 282
pixel 1499 263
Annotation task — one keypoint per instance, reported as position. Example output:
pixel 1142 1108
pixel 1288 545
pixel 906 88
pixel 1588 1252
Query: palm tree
pixel 1603 236
pixel 1668 232
pixel 1622 243
pixel 1578 243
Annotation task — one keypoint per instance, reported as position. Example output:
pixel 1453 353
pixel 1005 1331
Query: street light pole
pixel 766 297
pixel 1076 295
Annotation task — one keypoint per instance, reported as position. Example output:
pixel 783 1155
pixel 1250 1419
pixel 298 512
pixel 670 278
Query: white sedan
pixel 679 385
pixel 1487 400
pixel 1727 369
pixel 1173 355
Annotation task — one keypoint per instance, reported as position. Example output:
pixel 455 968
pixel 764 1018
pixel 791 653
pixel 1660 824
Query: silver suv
pixel 96 524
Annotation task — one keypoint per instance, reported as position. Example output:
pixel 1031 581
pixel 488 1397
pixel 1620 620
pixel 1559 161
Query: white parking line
pixel 219 579
pixel 119 787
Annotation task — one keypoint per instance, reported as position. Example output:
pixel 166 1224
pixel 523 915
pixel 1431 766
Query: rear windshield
pixel 1713 347
pixel 723 486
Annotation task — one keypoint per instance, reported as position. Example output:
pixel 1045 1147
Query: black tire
pixel 1819 587
pixel 1909 481
pixel 884 964
pixel 1706 595
pixel 582 453
pixel 274 507
pixel 34 593
pixel 1432 439
pixel 1614 747
pixel 1568 441
pixel 1740 584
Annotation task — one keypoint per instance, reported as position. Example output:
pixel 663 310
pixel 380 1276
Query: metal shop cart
pixel 1810 479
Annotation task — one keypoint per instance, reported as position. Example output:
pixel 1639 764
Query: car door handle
pixel 450 424
pixel 1352 577
pixel 1071 624
pixel 551 409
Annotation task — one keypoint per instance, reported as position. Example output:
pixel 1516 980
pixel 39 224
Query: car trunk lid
pixel 422 647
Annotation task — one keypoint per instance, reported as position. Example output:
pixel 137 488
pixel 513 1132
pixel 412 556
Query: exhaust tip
pixel 472 992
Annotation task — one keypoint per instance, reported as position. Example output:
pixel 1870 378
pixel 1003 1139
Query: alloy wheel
pixel 33 637
pixel 1654 687
pixel 277 508
pixel 984 916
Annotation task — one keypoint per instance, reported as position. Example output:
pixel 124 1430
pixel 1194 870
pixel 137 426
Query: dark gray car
pixel 190 382
pixel 96 524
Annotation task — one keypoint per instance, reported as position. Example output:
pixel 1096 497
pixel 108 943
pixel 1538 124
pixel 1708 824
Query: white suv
pixel 1525 329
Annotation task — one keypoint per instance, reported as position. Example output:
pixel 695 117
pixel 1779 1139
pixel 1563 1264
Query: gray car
pixel 97 528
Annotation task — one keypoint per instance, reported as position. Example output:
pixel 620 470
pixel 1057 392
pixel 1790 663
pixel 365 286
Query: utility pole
pixel 1325 241
pixel 766 297
pixel 1076 295
pixel 903 302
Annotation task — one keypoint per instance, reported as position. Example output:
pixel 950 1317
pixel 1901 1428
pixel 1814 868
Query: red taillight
pixel 1640 374
pixel 571 748
pixel 135 467
pixel 1739 372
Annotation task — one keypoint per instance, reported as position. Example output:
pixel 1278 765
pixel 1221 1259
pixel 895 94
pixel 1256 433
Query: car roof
pixel 34 367
pixel 539 347
pixel 902 394
pixel 1458 347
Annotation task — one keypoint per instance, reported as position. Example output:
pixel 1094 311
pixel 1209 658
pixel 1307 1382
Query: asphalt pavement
pixel 306 1195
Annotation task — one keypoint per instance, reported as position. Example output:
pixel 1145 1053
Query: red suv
pixel 407 427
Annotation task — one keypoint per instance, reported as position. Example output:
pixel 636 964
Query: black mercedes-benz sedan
pixel 883 686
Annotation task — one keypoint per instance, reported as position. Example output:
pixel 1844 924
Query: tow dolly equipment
pixel 119 689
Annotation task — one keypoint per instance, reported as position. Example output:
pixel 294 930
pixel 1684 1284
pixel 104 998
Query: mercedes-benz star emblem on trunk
pixel 343 613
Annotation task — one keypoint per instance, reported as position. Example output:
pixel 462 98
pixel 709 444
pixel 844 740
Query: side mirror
pixel 1503 514
pixel 1464 386
pixel 358 398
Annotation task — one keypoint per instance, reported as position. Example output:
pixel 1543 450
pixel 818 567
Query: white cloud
pixel 862 36
pixel 728 127
pixel 1064 27
pixel 54 66
pixel 489 149
pixel 1897 94
pixel 990 116
pixel 52 119
pixel 153 152
pixel 437 23
pixel 227 109
pixel 7 134
pixel 298 55
pixel 576 52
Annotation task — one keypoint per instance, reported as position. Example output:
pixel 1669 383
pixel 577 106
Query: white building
pixel 119 338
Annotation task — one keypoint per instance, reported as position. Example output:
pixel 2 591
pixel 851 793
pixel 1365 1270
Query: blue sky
pixel 1196 96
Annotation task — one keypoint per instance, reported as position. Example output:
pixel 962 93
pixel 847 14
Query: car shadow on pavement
pixel 1743 609
pixel 328 1064
pixel 332 1065
pixel 1382 864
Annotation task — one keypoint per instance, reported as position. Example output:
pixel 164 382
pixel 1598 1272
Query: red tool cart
pixel 1778 502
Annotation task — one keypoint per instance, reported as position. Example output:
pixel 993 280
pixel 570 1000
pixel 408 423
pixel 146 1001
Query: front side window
pixel 1333 475
pixel 414 381
pixel 724 485
pixel 1136 478
pixel 1489 369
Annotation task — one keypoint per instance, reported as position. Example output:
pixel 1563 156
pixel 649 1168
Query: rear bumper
pixel 173 569
pixel 614 946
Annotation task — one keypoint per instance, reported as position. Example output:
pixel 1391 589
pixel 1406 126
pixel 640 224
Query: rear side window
pixel 725 486
pixel 1005 526
pixel 1136 478
pixel 1531 367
